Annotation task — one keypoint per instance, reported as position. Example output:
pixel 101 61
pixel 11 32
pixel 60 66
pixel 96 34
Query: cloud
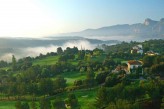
pixel 80 44
pixel 6 57
pixel 120 38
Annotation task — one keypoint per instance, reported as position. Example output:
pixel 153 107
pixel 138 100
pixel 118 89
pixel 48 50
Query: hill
pixel 147 30
pixel 86 78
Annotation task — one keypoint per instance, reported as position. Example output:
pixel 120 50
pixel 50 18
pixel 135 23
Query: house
pixel 119 68
pixel 151 53
pixel 137 49
pixel 132 64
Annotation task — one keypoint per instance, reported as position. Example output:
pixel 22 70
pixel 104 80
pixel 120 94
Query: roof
pixel 137 47
pixel 134 62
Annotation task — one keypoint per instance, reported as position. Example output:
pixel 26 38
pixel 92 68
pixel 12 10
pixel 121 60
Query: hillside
pixel 86 78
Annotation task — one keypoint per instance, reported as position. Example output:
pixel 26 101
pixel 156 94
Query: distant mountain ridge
pixel 149 28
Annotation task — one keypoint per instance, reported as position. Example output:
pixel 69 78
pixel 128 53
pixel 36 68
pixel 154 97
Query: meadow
pixel 85 98
pixel 46 61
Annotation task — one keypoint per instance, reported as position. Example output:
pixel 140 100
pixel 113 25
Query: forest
pixel 74 78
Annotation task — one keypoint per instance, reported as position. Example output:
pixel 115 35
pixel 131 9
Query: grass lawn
pixel 72 76
pixel 99 58
pixel 7 104
pixel 5 68
pixel 124 62
pixel 74 62
pixel 85 97
pixel 46 61
pixel 118 60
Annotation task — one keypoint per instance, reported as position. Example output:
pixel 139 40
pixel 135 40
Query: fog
pixel 33 47
pixel 35 51
pixel 120 38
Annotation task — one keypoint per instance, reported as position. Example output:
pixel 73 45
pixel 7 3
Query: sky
pixel 39 18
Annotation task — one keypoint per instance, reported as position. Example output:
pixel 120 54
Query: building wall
pixel 132 67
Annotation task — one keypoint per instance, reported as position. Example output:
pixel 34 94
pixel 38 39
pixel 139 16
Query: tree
pixel 21 88
pixel 60 82
pixel 101 98
pixel 78 82
pixel 148 61
pixel 111 80
pixel 123 104
pixel 162 104
pixel 25 105
pixel 81 54
pixel 33 105
pixel 46 86
pixel 75 50
pixel 90 77
pixel 12 90
pixel 24 63
pixel 13 63
pixel 90 73
pixel 157 69
pixel 72 101
pixel 45 103
pixel 97 51
pixel 18 105
pixel 59 50
pixel 100 77
pixel 109 62
pixel 3 64
pixel 45 73
pixel 59 104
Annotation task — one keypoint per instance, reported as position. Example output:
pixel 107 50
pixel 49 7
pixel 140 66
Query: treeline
pixel 154 45
pixel 145 95
pixel 44 103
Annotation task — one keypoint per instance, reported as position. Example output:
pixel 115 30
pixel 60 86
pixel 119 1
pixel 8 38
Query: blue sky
pixel 35 18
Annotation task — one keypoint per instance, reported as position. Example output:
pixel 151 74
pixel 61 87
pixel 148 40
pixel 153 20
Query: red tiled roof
pixel 134 62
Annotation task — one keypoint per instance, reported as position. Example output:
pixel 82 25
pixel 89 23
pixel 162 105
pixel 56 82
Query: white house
pixel 151 53
pixel 137 49
pixel 133 64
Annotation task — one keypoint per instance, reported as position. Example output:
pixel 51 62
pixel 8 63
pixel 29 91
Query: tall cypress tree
pixel 13 63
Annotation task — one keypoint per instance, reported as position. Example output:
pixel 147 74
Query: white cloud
pixel 80 43
pixel 35 51
pixel 6 57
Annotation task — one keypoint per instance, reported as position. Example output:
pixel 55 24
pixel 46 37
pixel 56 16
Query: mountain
pixel 148 29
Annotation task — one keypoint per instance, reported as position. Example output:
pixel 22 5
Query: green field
pixel 85 98
pixel 7 104
pixel 46 61
pixel 5 68
pixel 72 76
pixel 99 58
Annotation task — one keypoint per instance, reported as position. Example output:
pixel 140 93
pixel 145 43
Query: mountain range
pixel 148 29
